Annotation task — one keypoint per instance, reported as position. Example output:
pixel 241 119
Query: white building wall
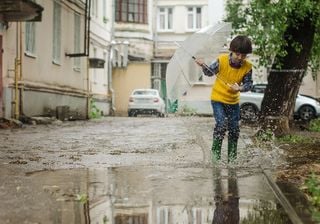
pixel 100 40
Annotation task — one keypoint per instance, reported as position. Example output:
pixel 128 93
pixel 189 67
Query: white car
pixel 306 107
pixel 146 101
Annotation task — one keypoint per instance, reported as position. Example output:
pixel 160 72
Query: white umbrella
pixel 182 72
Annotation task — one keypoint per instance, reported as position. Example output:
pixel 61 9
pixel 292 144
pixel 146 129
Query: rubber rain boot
pixel 216 149
pixel 232 150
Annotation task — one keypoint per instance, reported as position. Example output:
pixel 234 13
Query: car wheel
pixel 249 112
pixel 306 113
pixel 132 113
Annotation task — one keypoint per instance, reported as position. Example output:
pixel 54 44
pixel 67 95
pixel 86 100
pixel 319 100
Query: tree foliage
pixel 286 35
pixel 266 22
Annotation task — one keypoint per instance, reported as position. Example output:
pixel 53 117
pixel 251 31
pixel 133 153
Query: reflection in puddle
pixel 227 208
pixel 141 195
pixel 230 209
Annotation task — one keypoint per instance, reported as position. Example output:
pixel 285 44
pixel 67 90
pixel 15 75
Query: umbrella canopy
pixel 182 72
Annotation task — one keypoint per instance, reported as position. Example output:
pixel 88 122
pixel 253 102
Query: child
pixel 234 74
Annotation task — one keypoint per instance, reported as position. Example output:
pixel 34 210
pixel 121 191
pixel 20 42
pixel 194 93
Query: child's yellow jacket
pixel 221 92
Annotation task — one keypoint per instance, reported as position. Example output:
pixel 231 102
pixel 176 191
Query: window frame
pixel 196 18
pixel 131 11
pixel 56 41
pixel 77 41
pixel 168 18
pixel 30 38
pixel 94 8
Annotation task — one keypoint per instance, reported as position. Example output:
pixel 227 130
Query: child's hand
pixel 235 87
pixel 199 61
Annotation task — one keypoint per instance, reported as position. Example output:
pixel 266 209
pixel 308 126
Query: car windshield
pixel 145 92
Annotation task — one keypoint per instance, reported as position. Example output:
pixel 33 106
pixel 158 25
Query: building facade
pixel 101 28
pixel 85 57
pixel 132 50
pixel 46 66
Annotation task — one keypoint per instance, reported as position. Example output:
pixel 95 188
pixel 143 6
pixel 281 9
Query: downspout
pixel 16 76
pixel 110 89
pixel 86 40
pixel 88 90
pixel 88 7
pixel 21 76
pixel 85 53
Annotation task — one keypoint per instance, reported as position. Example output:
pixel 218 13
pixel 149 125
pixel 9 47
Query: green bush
pixel 313 189
pixel 315 125
pixel 264 135
pixel 94 110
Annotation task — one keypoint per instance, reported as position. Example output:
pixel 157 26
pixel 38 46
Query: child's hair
pixel 241 44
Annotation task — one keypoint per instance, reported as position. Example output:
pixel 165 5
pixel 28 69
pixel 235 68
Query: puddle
pixel 138 195
pixel 302 206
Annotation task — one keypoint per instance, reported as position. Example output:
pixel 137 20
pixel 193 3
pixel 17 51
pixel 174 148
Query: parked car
pixel 146 101
pixel 306 107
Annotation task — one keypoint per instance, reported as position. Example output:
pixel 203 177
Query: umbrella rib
pixel 205 65
pixel 182 70
pixel 182 74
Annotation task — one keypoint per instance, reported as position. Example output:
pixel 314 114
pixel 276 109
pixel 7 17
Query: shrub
pixel 315 125
pixel 312 185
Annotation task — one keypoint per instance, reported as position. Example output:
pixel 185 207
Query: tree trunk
pixel 283 85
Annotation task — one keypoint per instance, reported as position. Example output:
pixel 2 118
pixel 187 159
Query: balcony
pixel 20 10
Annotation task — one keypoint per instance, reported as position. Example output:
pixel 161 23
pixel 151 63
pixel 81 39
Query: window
pixel 105 57
pixel 165 18
pixel 159 76
pixel 134 11
pixel 194 18
pixel 30 37
pixel 94 70
pixel 163 215
pixel 94 8
pixel 104 11
pixel 77 34
pixel 56 51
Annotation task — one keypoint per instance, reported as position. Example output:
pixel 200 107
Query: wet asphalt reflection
pixel 139 195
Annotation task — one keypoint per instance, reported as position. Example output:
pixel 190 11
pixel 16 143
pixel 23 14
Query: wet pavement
pixel 133 170
pixel 157 194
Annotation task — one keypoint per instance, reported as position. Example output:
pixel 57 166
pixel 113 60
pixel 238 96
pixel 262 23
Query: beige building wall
pixel 40 67
pixel 136 75
pixel 44 83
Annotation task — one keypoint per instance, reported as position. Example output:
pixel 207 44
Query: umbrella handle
pixel 210 70
pixel 205 66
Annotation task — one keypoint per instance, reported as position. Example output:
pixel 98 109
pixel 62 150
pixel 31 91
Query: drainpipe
pixel 16 75
pixel 110 89
pixel 88 90
pixel 88 65
pixel 21 83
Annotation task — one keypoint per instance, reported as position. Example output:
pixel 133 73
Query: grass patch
pixel 187 111
pixel 294 139
pixel 314 125
pixel 312 187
